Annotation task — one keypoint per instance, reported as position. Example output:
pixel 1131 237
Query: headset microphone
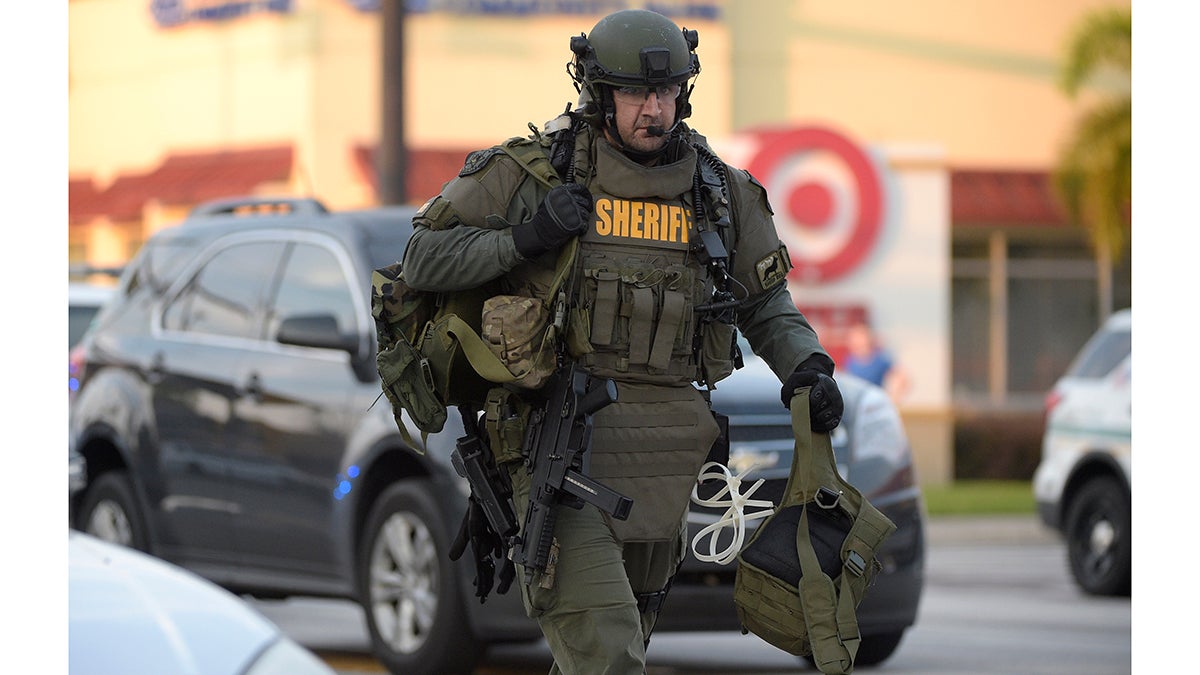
pixel 655 130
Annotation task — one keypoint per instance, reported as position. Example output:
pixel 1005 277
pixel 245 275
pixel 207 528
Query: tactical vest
pixel 637 279
pixel 636 284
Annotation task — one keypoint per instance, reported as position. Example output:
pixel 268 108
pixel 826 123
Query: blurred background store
pixel 909 150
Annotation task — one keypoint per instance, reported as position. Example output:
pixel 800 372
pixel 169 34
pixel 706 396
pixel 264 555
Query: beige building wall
pixel 977 77
pixel 312 78
pixel 474 80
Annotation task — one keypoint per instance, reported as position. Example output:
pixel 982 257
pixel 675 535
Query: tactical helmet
pixel 634 48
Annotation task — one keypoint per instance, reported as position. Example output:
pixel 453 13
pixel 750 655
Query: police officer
pixel 675 250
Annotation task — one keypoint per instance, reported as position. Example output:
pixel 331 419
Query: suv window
pixel 222 298
pixel 313 283
pixel 1102 355
pixel 158 263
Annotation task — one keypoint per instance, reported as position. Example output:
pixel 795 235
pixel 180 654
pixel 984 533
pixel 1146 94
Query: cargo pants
pixel 587 603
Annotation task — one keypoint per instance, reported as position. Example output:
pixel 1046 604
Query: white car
pixel 1082 485
pixel 130 613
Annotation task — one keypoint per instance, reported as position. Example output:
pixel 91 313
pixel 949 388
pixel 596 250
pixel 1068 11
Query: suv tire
pixel 410 595
pixel 110 511
pixel 1098 537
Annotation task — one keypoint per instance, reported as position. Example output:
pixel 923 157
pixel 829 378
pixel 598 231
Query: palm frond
pixel 1094 174
pixel 1104 38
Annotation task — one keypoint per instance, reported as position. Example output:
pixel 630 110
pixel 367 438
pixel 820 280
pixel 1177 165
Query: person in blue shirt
pixel 868 359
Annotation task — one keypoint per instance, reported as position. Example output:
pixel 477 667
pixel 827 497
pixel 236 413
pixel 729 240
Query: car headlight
pixel 878 431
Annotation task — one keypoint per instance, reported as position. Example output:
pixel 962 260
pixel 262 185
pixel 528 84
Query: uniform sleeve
pixel 462 237
pixel 457 258
pixel 775 328
pixel 779 333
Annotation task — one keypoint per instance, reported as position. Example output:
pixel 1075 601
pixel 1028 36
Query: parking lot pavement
pixel 989 529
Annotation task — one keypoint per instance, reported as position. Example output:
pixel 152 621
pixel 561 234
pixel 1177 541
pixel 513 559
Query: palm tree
pixel 1094 171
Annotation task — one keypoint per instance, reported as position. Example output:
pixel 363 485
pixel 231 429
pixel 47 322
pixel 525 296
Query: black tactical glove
pixel 564 213
pixel 485 543
pixel 825 405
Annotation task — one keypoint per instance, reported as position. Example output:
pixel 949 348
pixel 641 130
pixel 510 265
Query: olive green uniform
pixel 634 289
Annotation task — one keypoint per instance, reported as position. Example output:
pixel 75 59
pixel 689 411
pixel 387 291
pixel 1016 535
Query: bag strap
pixel 829 614
pixel 483 361
pixel 529 155
pixel 809 472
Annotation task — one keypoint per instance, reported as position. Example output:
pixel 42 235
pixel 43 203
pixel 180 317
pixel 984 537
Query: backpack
pixel 802 575
pixel 438 349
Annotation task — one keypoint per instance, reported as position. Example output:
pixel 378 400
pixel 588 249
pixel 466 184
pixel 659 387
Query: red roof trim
pixel 978 197
pixel 991 197
pixel 428 169
pixel 184 178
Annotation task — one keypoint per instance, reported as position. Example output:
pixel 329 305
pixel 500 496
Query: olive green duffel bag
pixel 801 576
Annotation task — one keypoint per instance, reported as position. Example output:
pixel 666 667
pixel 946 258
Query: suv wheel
pixel 410 595
pixel 110 511
pixel 1098 538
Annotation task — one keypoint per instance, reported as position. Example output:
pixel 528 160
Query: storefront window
pixel 969 299
pixel 1048 321
pixel 1045 295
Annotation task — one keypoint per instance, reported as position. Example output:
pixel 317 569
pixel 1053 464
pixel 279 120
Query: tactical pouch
pixel 716 351
pixel 801 576
pixel 408 384
pixel 505 418
pixel 636 316
pixel 517 330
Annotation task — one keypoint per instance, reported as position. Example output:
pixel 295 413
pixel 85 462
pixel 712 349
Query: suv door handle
pixel 252 388
pixel 157 370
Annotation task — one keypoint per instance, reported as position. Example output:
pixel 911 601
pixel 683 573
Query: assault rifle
pixel 558 439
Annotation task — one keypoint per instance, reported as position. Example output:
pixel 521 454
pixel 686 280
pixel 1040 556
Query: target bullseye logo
pixel 828 198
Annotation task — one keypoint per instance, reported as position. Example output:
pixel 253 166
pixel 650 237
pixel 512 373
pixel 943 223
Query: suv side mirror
pixel 315 330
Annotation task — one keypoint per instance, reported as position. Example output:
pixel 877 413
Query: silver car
pixel 131 613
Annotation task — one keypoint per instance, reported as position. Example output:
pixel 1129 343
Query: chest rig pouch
pixel 643 310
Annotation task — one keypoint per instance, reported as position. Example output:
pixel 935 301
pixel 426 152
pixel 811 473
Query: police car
pixel 1082 485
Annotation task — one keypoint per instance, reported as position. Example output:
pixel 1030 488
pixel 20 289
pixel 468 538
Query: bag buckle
pixel 827 498
pixel 855 563
pixel 427 374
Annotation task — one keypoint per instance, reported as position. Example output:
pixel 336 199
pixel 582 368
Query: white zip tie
pixel 734 516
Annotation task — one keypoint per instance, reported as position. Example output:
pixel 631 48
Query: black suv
pixel 231 418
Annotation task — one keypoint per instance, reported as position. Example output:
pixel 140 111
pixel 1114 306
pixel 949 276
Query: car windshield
pixel 1102 354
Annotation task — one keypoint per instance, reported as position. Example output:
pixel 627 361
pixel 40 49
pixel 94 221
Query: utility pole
pixel 392 158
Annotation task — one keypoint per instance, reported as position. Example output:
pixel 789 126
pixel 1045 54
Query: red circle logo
pixel 831 196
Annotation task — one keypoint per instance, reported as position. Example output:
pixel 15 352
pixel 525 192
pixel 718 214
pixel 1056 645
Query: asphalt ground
pixel 941 532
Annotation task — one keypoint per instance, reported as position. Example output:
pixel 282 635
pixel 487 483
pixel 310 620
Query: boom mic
pixel 655 130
